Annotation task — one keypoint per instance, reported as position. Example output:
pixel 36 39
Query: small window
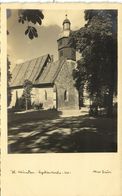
pixel 65 95
pixel 45 95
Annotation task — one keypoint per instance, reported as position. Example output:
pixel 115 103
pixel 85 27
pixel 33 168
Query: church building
pixel 53 83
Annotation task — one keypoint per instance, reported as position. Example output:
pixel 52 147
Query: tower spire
pixel 66 23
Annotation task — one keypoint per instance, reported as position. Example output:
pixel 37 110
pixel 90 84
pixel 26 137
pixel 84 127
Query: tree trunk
pixel 94 107
pixel 26 104
pixel 110 103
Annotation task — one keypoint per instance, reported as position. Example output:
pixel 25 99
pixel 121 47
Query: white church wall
pixel 46 96
pixel 16 93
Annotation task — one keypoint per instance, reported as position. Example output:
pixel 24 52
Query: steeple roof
pixel 66 20
pixel 66 28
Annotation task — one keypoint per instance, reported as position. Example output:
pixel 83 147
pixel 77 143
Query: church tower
pixel 64 50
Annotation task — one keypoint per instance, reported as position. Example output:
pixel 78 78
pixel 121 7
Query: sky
pixel 20 48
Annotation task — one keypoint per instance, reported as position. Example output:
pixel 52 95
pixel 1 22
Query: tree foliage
pixel 9 76
pixel 97 42
pixel 30 17
pixel 27 92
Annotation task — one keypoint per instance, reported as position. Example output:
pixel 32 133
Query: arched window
pixel 65 95
pixel 45 95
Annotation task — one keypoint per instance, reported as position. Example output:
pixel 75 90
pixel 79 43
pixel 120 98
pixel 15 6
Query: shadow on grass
pixel 40 134
pixel 31 116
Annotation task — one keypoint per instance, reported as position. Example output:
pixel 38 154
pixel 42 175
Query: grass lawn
pixel 47 131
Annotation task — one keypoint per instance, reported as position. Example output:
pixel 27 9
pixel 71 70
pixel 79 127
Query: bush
pixel 21 103
pixel 93 111
pixel 37 106
pixel 52 109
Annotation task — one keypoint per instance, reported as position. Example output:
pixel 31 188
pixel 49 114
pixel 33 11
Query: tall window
pixel 45 95
pixel 65 95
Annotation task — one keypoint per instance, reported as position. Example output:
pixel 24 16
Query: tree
pixel 8 82
pixel 27 92
pixel 97 42
pixel 31 16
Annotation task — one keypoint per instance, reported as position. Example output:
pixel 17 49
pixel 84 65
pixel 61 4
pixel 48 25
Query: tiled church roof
pixel 50 72
pixel 39 71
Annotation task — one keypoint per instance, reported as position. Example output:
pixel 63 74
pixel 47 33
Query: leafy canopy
pixel 97 68
pixel 97 43
pixel 27 89
pixel 28 17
